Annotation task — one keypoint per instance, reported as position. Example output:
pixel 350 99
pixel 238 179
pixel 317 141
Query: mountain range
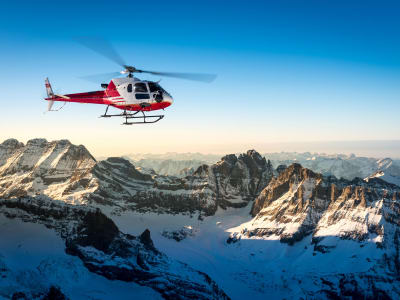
pixel 243 226
pixel 339 165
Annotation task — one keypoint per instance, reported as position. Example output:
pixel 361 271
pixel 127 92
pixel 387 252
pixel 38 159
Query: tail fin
pixel 50 93
pixel 49 90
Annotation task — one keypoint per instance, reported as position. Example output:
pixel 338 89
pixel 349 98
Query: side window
pixel 129 88
pixel 142 96
pixel 140 88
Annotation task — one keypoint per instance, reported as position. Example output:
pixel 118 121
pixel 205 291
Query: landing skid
pixel 140 119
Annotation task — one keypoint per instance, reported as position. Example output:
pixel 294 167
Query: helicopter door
pixel 141 92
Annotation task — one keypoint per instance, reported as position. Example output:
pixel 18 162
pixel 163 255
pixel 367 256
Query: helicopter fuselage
pixel 129 93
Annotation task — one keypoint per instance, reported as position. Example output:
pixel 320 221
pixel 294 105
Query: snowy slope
pixel 33 258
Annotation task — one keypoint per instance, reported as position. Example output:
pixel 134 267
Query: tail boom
pixel 97 97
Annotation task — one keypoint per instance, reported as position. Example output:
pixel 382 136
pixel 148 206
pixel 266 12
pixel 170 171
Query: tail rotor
pixel 50 94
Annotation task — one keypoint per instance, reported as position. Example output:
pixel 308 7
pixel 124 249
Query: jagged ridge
pixel 63 171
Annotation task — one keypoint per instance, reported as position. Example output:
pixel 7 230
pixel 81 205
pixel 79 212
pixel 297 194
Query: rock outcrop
pixel 300 202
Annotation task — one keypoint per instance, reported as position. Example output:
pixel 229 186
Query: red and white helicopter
pixel 129 93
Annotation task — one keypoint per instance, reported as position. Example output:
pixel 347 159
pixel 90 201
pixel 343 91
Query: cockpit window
pixel 129 88
pixel 154 87
pixel 140 88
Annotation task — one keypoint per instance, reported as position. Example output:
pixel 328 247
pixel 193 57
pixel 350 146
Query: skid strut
pixel 142 119
pixel 145 119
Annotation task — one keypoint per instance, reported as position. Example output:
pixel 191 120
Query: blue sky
pixel 288 72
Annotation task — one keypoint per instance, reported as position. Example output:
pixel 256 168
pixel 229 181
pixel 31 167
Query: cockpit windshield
pixel 154 87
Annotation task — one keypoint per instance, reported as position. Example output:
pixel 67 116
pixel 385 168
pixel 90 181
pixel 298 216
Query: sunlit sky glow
pixel 289 72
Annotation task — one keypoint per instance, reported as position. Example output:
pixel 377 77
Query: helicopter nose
pixel 168 98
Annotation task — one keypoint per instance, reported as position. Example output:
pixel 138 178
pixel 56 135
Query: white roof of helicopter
pixel 123 80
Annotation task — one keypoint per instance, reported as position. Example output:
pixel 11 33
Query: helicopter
pixel 135 97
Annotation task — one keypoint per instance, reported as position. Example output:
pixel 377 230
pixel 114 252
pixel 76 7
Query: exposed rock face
pixel 248 174
pixel 233 181
pixel 280 169
pixel 66 172
pixel 300 202
pixel 104 250
pixel 97 230
pixel 51 168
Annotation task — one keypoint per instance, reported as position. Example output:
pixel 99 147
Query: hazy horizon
pixel 376 149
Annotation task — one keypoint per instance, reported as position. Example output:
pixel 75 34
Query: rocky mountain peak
pixel 255 156
pixel 38 142
pixel 32 168
pixel 145 239
pixel 11 144
pixel 7 148
pixel 254 161
pixel 235 180
pixel 287 180
pixel 229 158
pixel 295 172
pixel 300 202
pixel 201 171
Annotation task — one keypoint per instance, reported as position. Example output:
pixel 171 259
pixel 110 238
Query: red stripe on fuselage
pixel 90 97
pixel 85 99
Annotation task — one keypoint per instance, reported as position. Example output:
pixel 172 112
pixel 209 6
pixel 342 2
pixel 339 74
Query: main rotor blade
pixel 96 78
pixel 102 47
pixel 189 76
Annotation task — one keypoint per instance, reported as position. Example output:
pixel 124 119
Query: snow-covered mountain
pixel 342 236
pixel 57 169
pixel 340 165
pixel 67 172
pixel 236 228
pixel 388 170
